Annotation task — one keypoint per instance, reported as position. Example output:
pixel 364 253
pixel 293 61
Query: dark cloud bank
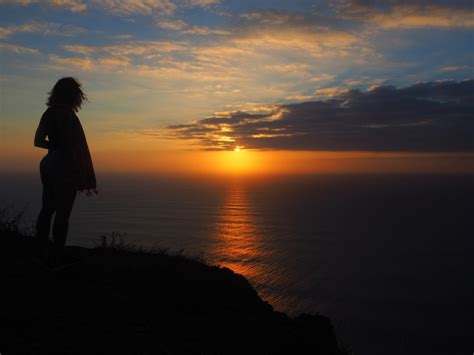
pixel 425 117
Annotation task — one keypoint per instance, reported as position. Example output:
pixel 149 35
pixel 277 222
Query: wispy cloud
pixel 425 117
pixel 150 7
pixel 293 31
pixel 71 5
pixel 121 7
pixel 138 7
pixel 42 28
pixel 330 92
pixel 185 28
pixel 88 64
pixel 85 64
pixel 411 14
pixel 454 68
pixel 365 80
pixel 249 47
pixel 324 77
pixel 130 48
pixel 15 48
pixel 200 3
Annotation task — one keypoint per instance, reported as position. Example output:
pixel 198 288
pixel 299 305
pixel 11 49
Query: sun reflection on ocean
pixel 240 244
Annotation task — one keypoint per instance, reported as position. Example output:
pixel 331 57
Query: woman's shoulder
pixel 58 112
pixel 47 114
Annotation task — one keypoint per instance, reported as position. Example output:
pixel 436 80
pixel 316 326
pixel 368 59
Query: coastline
pixel 123 299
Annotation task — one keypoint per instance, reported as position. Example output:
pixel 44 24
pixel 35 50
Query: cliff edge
pixel 122 300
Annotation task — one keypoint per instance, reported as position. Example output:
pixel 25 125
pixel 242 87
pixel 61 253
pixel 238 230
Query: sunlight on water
pixel 240 244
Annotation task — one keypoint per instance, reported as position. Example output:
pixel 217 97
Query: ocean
pixel 389 258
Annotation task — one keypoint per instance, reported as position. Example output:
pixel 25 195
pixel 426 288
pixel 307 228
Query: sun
pixel 238 160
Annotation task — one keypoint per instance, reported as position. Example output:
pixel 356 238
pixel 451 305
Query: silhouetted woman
pixel 67 168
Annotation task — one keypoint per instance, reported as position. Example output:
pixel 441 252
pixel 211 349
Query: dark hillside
pixel 118 299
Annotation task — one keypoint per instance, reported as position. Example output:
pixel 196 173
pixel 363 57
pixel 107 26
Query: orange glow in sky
pixel 166 91
pixel 251 162
pixel 149 155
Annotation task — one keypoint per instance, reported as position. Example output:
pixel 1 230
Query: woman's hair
pixel 67 91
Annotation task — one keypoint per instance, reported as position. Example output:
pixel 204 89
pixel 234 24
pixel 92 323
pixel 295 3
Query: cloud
pixel 330 91
pixel 88 64
pixel 289 68
pixel 287 48
pixel 274 17
pixel 42 28
pixel 364 80
pixel 185 28
pixel 18 2
pixel 81 49
pixel 113 62
pixel 267 43
pixel 273 29
pixel 411 14
pixel 240 55
pixel 71 5
pixel 322 78
pixel 138 7
pixel 85 64
pixel 121 58
pixel 121 7
pixel 150 7
pixel 14 48
pixel 454 68
pixel 425 117
pixel 131 48
pixel 200 3
pixel 299 97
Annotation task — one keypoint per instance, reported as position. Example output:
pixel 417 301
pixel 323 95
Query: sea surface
pixel 389 258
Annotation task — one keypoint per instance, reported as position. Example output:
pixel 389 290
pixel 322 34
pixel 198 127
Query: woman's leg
pixel 64 197
pixel 43 222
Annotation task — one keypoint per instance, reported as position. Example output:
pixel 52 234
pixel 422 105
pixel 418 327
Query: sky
pixel 216 86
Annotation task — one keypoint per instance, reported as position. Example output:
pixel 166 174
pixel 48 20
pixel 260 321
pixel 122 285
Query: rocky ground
pixel 121 299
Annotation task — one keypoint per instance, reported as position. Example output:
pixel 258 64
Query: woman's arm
pixel 41 134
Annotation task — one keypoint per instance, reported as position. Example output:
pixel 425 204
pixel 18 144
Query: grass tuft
pixel 10 221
